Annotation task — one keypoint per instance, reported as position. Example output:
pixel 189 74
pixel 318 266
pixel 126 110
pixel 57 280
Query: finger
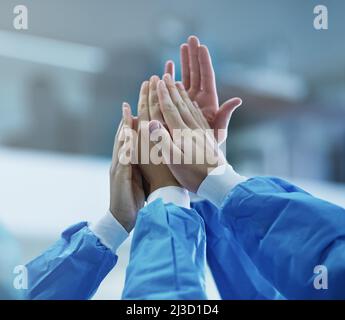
pixel 197 113
pixel 208 82
pixel 127 122
pixel 143 111
pixel 127 141
pixel 125 144
pixel 188 112
pixel 224 114
pixel 174 93
pixel 154 110
pixel 184 57
pixel 170 68
pixel 203 120
pixel 127 115
pixel 170 113
pixel 143 108
pixel 135 123
pixel 168 149
pixel 194 67
pixel 114 160
pixel 179 102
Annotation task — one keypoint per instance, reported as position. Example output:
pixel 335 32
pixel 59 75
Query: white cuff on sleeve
pixel 110 232
pixel 172 194
pixel 218 184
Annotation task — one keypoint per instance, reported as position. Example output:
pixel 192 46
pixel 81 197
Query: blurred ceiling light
pixel 52 52
pixel 266 81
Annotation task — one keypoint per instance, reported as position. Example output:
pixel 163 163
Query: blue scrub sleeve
pixel 167 259
pixel 72 268
pixel 288 233
pixel 233 271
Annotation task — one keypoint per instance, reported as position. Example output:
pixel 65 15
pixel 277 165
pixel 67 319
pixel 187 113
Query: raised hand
pixel 199 80
pixel 156 174
pixel 126 188
pixel 181 115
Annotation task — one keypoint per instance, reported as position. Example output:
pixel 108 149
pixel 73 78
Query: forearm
pixel 234 273
pixel 168 253
pixel 286 233
pixel 75 265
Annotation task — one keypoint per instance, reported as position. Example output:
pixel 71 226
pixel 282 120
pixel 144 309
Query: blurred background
pixel 63 80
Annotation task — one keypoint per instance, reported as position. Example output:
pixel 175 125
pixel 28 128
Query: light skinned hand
pixel 156 175
pixel 179 112
pixel 126 188
pixel 198 78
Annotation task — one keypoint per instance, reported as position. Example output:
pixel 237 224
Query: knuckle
pixel 184 94
pixel 170 86
pixel 169 106
pixel 171 109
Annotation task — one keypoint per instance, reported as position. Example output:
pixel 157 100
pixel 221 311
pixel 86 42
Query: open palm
pixel 199 80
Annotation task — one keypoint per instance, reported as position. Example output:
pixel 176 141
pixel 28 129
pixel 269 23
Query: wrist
pixel 109 231
pixel 176 195
pixel 202 172
pixel 218 183
pixel 127 221
pixel 128 225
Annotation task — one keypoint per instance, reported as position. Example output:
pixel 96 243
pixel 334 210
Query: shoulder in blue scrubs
pixel 286 232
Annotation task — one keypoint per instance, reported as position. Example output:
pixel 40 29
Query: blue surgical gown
pixel 286 232
pixel 72 268
pixel 264 242
pixel 168 257
pixel 234 273
pixel 168 254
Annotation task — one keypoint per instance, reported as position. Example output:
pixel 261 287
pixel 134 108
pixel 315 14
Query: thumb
pixel 126 145
pixel 224 113
pixel 223 116
pixel 169 149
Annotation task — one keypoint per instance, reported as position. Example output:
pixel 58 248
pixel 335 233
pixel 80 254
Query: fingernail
pixel 180 84
pixel 154 125
pixel 193 39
